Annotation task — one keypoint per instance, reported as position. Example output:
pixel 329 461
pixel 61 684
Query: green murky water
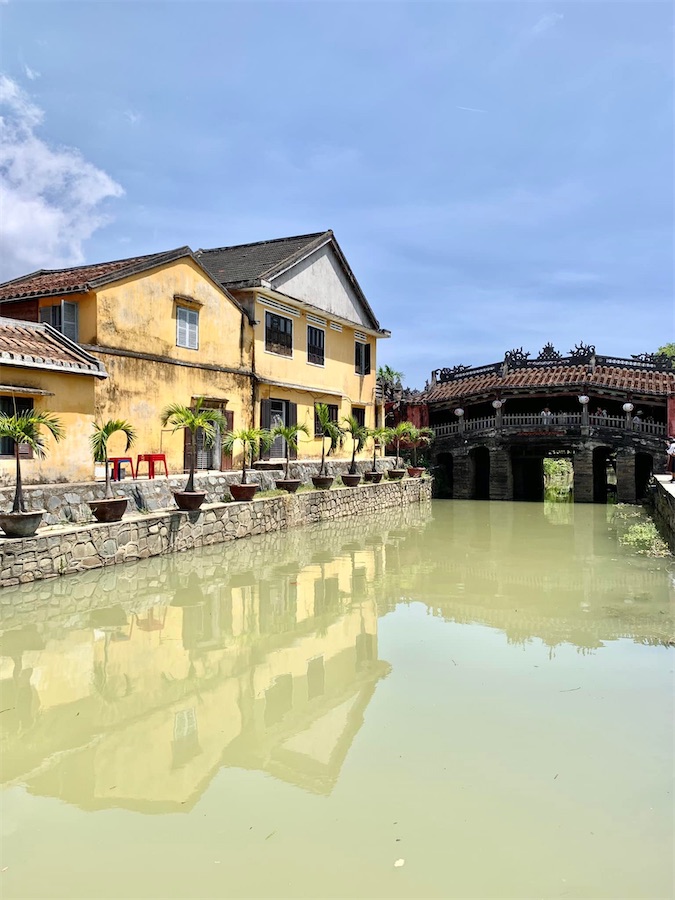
pixel 479 692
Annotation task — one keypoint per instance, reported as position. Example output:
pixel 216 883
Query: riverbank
pixel 67 549
pixel 664 508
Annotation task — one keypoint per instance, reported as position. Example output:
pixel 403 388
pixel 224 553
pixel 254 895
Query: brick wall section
pixel 625 476
pixel 69 549
pixel 582 465
pixel 501 475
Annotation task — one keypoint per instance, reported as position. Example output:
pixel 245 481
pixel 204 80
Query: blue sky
pixel 498 174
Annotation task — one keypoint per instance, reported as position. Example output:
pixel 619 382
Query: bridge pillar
pixel 583 475
pixel 625 476
pixel 462 476
pixel 501 475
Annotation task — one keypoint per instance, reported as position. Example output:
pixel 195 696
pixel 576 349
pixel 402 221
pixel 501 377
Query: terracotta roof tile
pixel 38 346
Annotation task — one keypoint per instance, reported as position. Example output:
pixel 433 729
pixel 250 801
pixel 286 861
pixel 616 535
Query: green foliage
pixel 329 429
pixel 379 436
pixel 99 444
pixel 667 350
pixel 291 434
pixel 251 439
pixel 359 436
pixel 557 468
pixel 644 538
pixel 419 437
pixel 389 379
pixel 26 428
pixel 398 433
pixel 193 419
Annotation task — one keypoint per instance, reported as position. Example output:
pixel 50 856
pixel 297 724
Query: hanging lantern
pixel 459 411
pixel 628 407
pixel 584 399
pixel 497 404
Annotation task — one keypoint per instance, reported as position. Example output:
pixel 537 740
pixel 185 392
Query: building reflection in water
pixel 133 687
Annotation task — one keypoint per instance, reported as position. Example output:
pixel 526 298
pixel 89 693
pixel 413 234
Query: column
pixel 462 476
pixel 501 475
pixel 583 475
pixel 625 476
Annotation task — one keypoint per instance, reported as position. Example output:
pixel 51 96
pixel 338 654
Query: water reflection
pixel 132 687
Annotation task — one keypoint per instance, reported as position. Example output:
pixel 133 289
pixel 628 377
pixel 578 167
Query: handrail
pixel 512 421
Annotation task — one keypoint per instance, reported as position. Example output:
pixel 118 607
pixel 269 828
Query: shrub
pixel 644 538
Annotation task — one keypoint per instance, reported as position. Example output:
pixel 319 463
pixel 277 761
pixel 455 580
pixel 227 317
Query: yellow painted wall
pixel 73 402
pixel 86 314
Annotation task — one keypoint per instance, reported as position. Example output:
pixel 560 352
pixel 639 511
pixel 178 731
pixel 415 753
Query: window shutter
pixel 181 328
pixel 25 451
pixel 357 358
pixel 71 320
pixel 292 420
pixel 226 458
pixel 366 369
pixel 46 314
pixel 265 421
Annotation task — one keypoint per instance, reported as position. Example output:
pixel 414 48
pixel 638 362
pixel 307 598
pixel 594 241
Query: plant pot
pixel 322 482
pixel 351 480
pixel 373 477
pixel 289 485
pixel 243 491
pixel 395 474
pixel 189 500
pixel 21 524
pixel 267 465
pixel 110 510
pixel 415 471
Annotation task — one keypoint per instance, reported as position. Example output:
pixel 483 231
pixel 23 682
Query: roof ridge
pixel 290 237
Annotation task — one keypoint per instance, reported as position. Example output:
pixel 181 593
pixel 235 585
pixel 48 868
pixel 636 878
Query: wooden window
pixel 316 340
pixel 278 334
pixel 362 358
pixel 359 414
pixel 332 412
pixel 187 328
pixel 65 317
pixel 9 406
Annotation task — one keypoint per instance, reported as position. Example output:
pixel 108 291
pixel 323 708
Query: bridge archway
pixel 528 477
pixel 644 466
pixel 480 473
pixel 601 460
pixel 444 475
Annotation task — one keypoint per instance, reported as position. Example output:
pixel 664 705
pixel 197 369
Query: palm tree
pixel 379 435
pixel 329 429
pixel 389 378
pixel 290 433
pixel 397 434
pixel 358 434
pixel 193 419
pixel 251 439
pixel 419 437
pixel 99 445
pixel 25 428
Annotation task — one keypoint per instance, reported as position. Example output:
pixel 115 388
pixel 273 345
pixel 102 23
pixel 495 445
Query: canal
pixel 462 699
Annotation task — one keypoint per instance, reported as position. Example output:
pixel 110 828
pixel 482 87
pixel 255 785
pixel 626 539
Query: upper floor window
pixel 316 345
pixel 278 334
pixel 187 328
pixel 64 316
pixel 362 358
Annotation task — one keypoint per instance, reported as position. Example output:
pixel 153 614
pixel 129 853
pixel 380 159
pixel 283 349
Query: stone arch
pixel 644 466
pixel 480 473
pixel 444 475
pixel 601 457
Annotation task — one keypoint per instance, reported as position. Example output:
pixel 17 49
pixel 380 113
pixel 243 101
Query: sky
pixel 498 174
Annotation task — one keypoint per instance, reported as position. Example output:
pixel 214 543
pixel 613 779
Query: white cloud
pixel 133 117
pixel 31 74
pixel 545 24
pixel 51 196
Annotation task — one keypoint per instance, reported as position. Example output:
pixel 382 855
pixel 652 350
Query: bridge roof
pixel 606 379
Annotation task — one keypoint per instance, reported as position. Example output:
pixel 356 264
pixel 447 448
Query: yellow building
pixel 315 333
pixel 165 331
pixel 41 369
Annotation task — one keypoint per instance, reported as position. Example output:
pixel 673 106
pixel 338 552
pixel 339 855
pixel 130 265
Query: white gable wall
pixel 321 281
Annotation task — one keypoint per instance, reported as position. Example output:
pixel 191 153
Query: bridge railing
pixel 513 421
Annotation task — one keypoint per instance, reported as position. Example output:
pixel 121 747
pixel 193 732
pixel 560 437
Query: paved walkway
pixel 667 483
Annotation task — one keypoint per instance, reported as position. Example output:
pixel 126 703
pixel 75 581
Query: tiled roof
pixel 33 345
pixel 47 282
pixel 245 263
pixel 539 380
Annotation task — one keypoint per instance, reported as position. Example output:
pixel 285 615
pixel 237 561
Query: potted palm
pixel 193 419
pixel 397 434
pixel 111 508
pixel 251 439
pixel 26 428
pixel 358 434
pixel 290 434
pixel 329 429
pixel 379 436
pixel 418 437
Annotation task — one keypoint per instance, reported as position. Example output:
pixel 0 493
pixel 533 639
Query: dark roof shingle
pixel 35 345
pixel 244 263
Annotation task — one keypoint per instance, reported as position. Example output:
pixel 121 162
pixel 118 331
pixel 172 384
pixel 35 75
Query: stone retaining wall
pixel 663 508
pixel 65 550
pixel 67 503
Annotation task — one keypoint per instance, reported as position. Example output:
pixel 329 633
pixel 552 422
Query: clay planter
pixel 289 486
pixel 373 477
pixel 415 471
pixel 243 491
pixel 21 524
pixel 110 510
pixel 395 474
pixel 189 500
pixel 351 480
pixel 322 482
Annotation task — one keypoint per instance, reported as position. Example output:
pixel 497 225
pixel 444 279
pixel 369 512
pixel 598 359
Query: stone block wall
pixel 663 508
pixel 68 549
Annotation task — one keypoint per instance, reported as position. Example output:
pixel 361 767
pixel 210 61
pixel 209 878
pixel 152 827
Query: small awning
pixel 28 391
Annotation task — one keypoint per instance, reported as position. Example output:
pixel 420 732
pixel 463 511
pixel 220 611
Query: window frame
pixel 362 360
pixel 182 308
pixel 47 314
pixel 268 344
pixel 21 405
pixel 331 407
pixel 322 331
pixel 359 413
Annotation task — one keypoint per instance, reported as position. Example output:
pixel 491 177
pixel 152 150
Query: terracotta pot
pixel 415 471
pixel 290 486
pixel 373 477
pixel 351 480
pixel 21 524
pixel 322 482
pixel 110 510
pixel 243 491
pixel 267 465
pixel 189 500
pixel 395 474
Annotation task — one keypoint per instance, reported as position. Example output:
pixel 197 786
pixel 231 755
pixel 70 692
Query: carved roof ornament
pixel 448 374
pixel 516 358
pixel 582 351
pixel 660 360
pixel 548 352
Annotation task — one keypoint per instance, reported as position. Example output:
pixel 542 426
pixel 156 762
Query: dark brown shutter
pixel 265 421
pixel 292 420
pixel 366 370
pixel 187 449
pixel 226 458
pixel 25 451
